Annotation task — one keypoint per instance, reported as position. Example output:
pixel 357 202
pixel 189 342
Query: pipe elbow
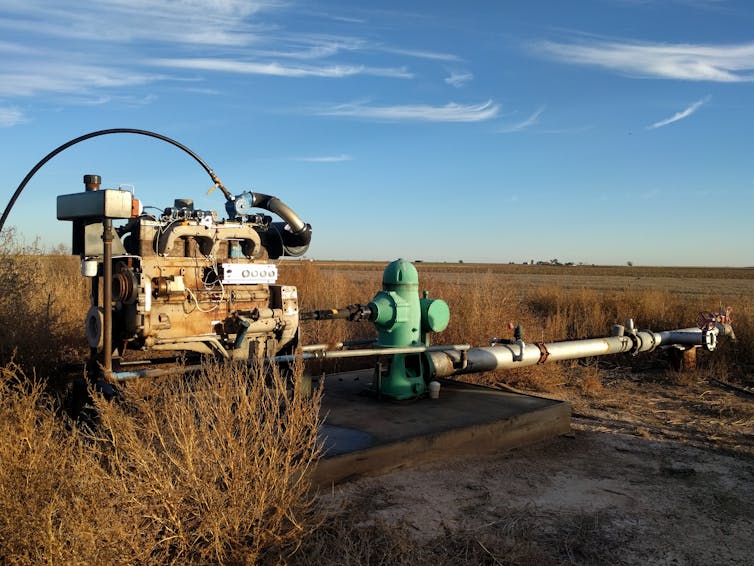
pixel 288 238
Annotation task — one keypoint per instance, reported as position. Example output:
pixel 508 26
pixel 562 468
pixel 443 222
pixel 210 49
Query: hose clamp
pixel 543 353
pixel 636 341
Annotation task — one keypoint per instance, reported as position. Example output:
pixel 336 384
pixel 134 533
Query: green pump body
pixel 403 319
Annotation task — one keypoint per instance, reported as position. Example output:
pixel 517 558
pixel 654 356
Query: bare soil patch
pixel 655 472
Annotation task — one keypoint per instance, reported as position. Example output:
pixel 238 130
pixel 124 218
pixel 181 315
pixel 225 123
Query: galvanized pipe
pixel 520 354
pixel 332 354
pixel 318 355
pixel 337 345
pixel 153 372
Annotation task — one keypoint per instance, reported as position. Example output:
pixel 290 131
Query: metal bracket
pixel 520 356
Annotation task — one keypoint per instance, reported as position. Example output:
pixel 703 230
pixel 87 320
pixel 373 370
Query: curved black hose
pixel 68 144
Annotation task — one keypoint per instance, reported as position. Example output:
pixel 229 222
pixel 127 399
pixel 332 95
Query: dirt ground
pixel 654 472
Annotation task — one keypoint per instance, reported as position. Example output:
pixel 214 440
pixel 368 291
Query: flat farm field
pixel 681 280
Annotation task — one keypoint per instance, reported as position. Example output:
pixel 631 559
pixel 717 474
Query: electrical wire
pixel 74 141
pixel 196 302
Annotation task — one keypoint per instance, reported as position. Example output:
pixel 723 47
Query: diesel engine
pixel 181 279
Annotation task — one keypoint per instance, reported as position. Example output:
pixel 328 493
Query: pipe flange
pixel 709 340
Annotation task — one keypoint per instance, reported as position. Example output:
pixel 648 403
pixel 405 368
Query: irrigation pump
pixel 402 319
pixel 183 279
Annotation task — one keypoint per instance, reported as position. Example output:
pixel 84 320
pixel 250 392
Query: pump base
pixel 364 436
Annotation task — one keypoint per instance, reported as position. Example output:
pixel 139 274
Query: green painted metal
pixel 395 309
pixel 435 316
pixel 403 319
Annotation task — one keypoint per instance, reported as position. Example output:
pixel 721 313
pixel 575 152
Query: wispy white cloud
pixel 11 116
pixel 346 19
pixel 573 131
pixel 450 112
pixel 54 77
pixel 524 124
pixel 325 158
pixel 194 22
pixel 433 55
pixel 121 100
pixel 280 70
pixel 694 62
pixel 458 78
pixel 203 90
pixel 685 113
pixel 85 54
pixel 304 46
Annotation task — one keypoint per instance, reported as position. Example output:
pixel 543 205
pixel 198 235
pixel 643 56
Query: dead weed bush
pixel 42 306
pixel 209 470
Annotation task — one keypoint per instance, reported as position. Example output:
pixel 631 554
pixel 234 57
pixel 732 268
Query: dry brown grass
pixel 549 304
pixel 42 306
pixel 208 470
pixel 213 470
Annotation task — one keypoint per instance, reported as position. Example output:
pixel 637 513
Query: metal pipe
pixel 95 303
pixel 107 294
pixel 153 372
pixel 519 354
pixel 277 206
pixel 337 345
pixel 159 372
pixel 332 354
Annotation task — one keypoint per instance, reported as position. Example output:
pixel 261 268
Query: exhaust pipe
pixel 288 238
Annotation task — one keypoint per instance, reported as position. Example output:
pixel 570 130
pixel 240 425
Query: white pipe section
pixel 519 354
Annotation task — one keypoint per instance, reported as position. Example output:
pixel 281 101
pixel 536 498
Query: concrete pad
pixel 365 436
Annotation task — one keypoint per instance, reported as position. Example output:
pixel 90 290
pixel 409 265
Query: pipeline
pixel 366 352
pixel 311 352
pixel 520 354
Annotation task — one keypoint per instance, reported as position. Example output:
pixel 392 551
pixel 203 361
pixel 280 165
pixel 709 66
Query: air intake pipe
pixel 288 238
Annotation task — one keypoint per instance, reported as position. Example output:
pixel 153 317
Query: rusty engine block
pixel 182 280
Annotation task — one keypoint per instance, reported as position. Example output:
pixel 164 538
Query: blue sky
pixel 599 131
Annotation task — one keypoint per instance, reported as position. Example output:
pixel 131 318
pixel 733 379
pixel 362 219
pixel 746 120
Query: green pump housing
pixel 403 319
